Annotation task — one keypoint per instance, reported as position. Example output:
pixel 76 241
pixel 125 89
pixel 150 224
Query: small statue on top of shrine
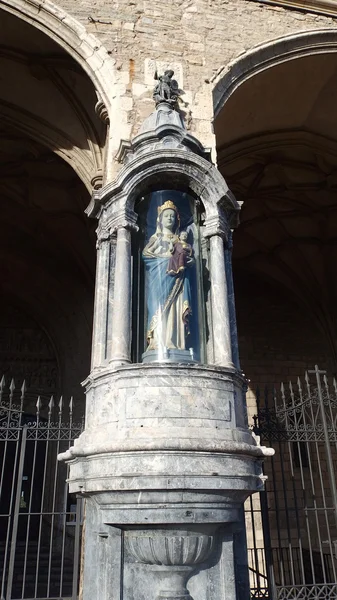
pixel 167 89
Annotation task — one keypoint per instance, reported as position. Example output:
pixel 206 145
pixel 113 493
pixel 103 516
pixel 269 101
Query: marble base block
pixel 168 355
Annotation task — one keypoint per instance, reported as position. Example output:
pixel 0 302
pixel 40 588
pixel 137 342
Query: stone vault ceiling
pixel 47 257
pixel 277 148
pixel 44 93
pixel 43 201
pixel 50 149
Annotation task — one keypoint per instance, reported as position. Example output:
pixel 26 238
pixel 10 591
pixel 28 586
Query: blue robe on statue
pixel 168 301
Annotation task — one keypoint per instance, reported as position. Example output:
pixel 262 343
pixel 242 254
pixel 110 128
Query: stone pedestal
pixel 166 462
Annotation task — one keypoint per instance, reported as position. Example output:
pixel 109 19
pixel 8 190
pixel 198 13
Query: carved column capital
pixel 216 225
pixel 104 234
pixel 124 219
pixel 97 180
pixel 101 110
pixel 125 225
pixel 110 224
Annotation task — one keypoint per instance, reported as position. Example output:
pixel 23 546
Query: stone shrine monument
pixel 166 460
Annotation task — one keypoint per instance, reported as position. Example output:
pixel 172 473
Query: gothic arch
pixel 308 43
pixel 72 36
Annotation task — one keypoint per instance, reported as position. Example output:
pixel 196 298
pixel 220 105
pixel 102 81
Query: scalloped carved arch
pixel 190 173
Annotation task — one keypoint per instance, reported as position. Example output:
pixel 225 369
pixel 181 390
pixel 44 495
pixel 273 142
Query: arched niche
pixel 165 161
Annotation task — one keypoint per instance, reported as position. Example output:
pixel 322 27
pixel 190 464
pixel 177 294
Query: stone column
pixel 231 300
pixel 121 313
pixel 101 301
pixel 220 309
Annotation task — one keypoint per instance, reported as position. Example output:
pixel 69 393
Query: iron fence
pixel 40 522
pixel 298 510
pixel 292 525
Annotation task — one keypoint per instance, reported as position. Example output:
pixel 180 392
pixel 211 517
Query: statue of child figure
pixel 167 89
pixel 182 255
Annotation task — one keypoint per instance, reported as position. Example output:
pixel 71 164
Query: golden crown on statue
pixel 166 205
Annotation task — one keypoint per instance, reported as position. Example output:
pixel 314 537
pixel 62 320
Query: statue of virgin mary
pixel 168 291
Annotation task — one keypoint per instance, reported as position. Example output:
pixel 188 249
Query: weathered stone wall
pixel 197 37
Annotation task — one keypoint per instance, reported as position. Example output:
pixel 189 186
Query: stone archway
pixel 51 155
pixel 277 148
pixel 265 56
pixel 86 49
pixel 92 57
